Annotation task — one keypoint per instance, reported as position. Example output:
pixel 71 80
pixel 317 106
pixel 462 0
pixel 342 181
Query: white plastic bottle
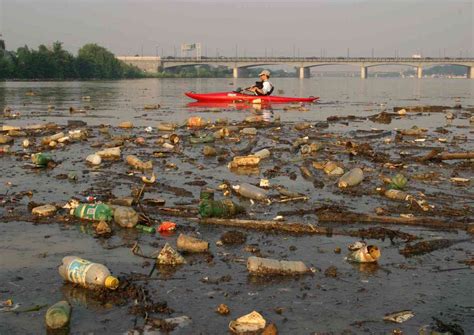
pixel 87 274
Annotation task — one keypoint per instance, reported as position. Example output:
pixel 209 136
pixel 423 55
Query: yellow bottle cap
pixel 111 282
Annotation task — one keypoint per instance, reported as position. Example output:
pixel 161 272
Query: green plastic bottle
pixel 202 138
pixel 219 209
pixel 399 182
pixel 41 159
pixel 145 229
pixel 94 212
pixel 206 194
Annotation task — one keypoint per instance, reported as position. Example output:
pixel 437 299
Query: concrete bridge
pixel 238 64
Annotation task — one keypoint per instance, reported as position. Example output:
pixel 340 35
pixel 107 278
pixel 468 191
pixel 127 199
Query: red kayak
pixel 238 97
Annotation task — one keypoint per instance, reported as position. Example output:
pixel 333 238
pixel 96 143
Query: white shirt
pixel 267 86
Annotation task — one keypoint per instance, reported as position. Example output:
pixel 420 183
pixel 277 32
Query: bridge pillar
pixel 363 72
pixel 419 72
pixel 236 72
pixel 470 73
pixel 304 72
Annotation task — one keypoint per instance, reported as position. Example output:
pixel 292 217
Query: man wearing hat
pixel 264 87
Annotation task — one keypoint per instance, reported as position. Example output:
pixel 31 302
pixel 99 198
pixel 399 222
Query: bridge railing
pixel 316 59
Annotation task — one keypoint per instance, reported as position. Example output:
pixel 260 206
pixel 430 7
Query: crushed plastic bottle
pixel 125 217
pixel 87 274
pixel 94 212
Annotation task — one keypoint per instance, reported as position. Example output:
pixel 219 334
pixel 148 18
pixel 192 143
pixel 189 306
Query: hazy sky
pixel 432 27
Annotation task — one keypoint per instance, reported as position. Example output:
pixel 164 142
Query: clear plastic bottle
pixel 251 192
pixel 351 178
pixel 58 315
pixel 262 154
pixel 86 273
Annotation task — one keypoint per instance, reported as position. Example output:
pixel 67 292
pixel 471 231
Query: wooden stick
pixel 306 229
pixel 350 217
pixel 456 155
pixel 445 156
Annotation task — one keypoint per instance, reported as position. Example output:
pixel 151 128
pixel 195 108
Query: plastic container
pixel 219 209
pixel 94 212
pixel 87 274
pixel 351 178
pixel 251 192
pixel 125 217
pixel 58 315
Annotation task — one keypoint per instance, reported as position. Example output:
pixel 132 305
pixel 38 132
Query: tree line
pixel 55 63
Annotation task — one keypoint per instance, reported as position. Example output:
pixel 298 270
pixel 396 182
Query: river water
pixel 353 303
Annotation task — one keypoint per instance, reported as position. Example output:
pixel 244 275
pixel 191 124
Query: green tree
pixel 94 61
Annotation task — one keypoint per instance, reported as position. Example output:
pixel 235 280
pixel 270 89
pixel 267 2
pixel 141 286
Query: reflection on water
pixel 118 100
pixel 90 299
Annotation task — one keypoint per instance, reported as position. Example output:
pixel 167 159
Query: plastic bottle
pixel 125 217
pixel 396 195
pixel 41 159
pixel 191 244
pixel 206 194
pixel 250 160
pixel 251 192
pixel 399 181
pixel 351 178
pixel 94 159
pixel 249 131
pixel 209 151
pixel 196 122
pixel 332 169
pixel 266 266
pixel 209 138
pixel 145 229
pixel 137 163
pixel 87 274
pixel 262 154
pixel 219 209
pixel 46 140
pixel 95 212
pixel 109 153
pixel 58 315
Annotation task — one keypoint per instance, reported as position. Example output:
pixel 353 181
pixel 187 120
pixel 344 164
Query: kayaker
pixel 264 87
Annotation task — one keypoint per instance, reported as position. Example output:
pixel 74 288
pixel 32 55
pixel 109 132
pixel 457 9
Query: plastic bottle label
pixel 77 271
pixel 91 211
